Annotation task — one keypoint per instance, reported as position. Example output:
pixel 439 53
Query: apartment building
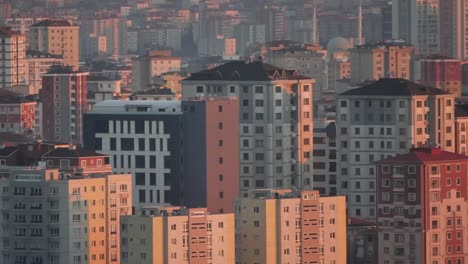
pixel 422 207
pixel 12 59
pixel 286 226
pixel 176 235
pixel 385 59
pixel 37 64
pixel 417 22
pixel 155 63
pixel 180 153
pixel 65 91
pixel 443 73
pixel 383 119
pixel 17 113
pixel 57 37
pixel 275 116
pixel 461 125
pixel 453 28
pixel 53 218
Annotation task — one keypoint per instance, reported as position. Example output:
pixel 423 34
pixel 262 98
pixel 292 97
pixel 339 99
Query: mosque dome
pixel 339 44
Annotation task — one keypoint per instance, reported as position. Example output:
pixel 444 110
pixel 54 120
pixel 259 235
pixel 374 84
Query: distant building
pixel 12 59
pixel 17 113
pixel 443 73
pixel 178 235
pixel 421 207
pixel 362 242
pixel 155 63
pixel 284 226
pixel 102 88
pixel 64 93
pixel 324 159
pixel 383 119
pixel 453 28
pixel 386 59
pixel 461 128
pixel 59 219
pixel 58 37
pixel 417 22
pixel 276 111
pixel 37 64
pixel 155 94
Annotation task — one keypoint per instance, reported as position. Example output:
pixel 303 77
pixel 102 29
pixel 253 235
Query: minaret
pixel 314 23
pixel 359 40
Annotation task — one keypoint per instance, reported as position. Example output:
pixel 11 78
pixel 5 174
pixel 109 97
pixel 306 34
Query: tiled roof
pixel 72 153
pixel 8 32
pixel 245 71
pixel 7 151
pixel 394 87
pixel 53 23
pixel 425 155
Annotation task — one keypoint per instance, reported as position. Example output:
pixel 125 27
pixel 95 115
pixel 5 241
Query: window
pixel 259 89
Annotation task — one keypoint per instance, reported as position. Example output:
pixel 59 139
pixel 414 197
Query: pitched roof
pixel 72 153
pixel 425 155
pixel 8 32
pixel 7 151
pixel 52 23
pixel 395 87
pixel 245 71
pixel 9 97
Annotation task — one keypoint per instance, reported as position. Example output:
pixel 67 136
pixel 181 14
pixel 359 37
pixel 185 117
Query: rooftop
pixel 52 23
pixel 461 110
pixel 394 87
pixel 245 71
pixel 8 32
pixel 41 54
pixel 72 153
pixel 7 151
pixel 9 97
pixel 425 155
pixel 156 91
pixel 387 43
pixel 137 107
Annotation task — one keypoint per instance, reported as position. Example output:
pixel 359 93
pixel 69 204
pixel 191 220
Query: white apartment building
pixel 383 119
pixel 276 111
pixel 12 59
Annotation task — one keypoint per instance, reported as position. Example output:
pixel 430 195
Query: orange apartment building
pixel 283 226
pixel 176 235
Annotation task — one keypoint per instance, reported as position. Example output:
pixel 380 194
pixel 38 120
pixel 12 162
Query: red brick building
pixel 422 205
pixel 443 73
pixel 17 113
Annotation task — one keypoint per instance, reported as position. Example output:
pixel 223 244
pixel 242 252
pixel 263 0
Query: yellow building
pixel 56 219
pixel 57 37
pixel 176 235
pixel 284 226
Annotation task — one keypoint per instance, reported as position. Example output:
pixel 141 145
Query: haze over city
pixel 233 131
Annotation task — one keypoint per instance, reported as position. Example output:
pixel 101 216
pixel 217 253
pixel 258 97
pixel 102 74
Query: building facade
pixel 453 26
pixel 12 59
pixel 275 116
pixel 417 22
pixel 37 64
pixel 443 73
pixel 387 59
pixel 383 119
pixel 324 158
pixel 55 219
pixel 421 207
pixel 65 92
pixel 283 226
pixel 17 113
pixel 178 235
pixel 57 37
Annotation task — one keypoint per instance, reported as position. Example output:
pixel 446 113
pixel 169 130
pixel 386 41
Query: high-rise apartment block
pixel 453 27
pixel 17 113
pixel 64 92
pixel 443 73
pixel 325 158
pixel 178 235
pixel 180 153
pixel 58 37
pixel 386 59
pixel 54 218
pixel 383 119
pixel 276 111
pixel 422 206
pixel 12 59
pixel 37 64
pixel 417 22
pixel 285 226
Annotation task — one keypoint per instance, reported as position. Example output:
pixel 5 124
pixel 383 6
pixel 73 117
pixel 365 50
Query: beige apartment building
pixel 177 235
pixel 385 59
pixel 12 59
pixel 285 226
pixel 54 219
pixel 57 37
